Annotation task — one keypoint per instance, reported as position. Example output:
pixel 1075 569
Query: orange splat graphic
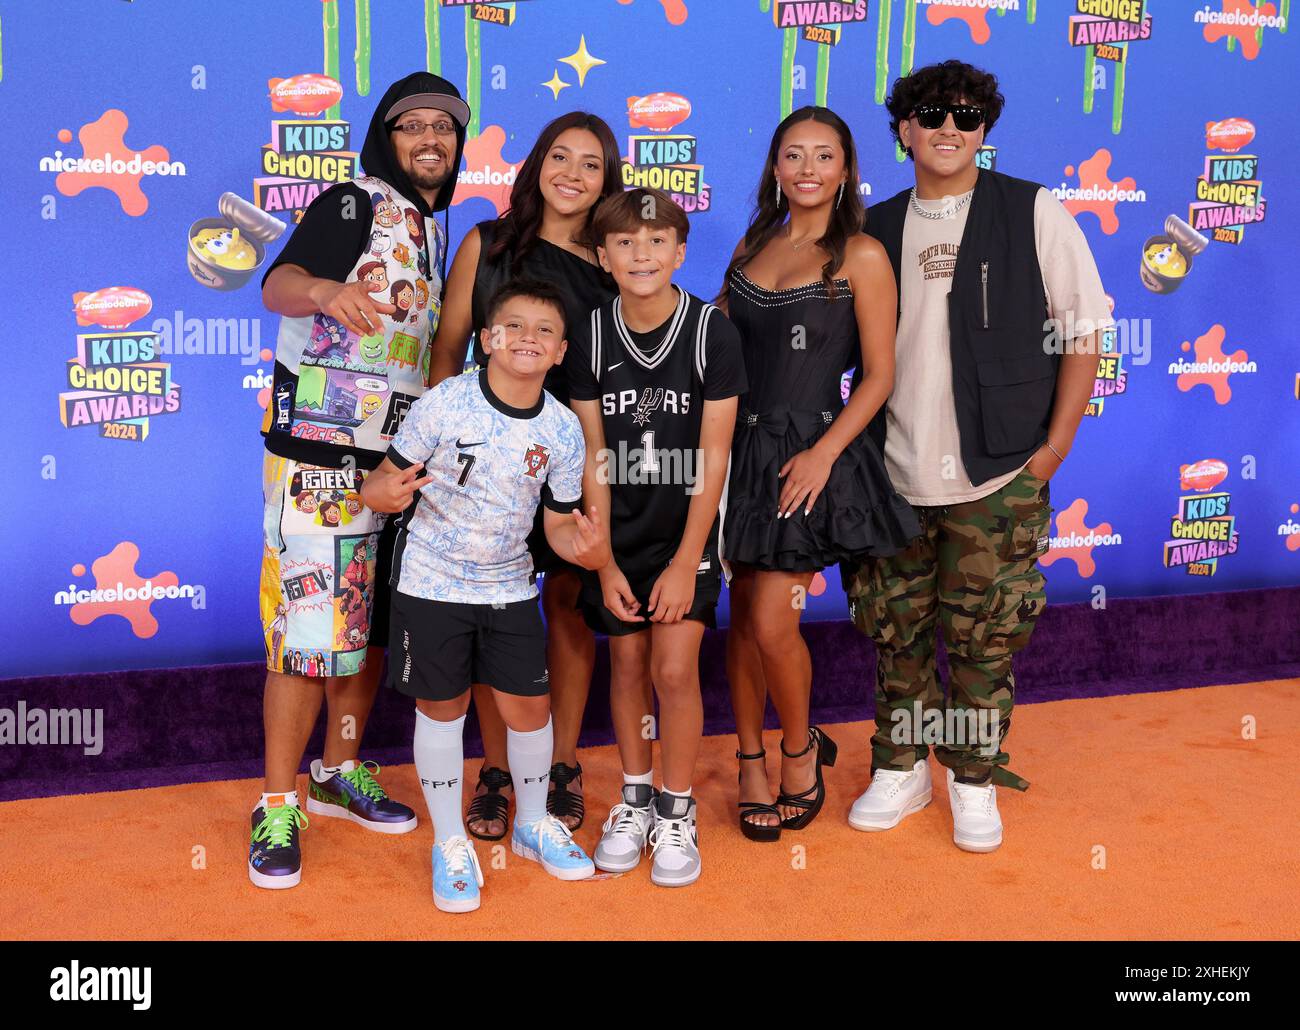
pixel 976 19
pixel 1095 172
pixel 1293 541
pixel 674 10
pixel 818 585
pixel 484 151
pixel 1244 34
pixel 1209 348
pixel 118 566
pixel 107 137
pixel 1069 523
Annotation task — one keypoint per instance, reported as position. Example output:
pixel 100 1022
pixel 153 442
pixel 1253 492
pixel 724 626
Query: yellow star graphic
pixel 556 84
pixel 582 61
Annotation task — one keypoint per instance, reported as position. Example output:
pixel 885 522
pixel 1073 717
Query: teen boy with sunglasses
pixel 984 410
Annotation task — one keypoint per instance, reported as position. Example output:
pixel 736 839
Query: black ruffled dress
pixel 798 344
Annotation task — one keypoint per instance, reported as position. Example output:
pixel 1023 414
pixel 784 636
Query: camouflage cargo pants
pixel 974 570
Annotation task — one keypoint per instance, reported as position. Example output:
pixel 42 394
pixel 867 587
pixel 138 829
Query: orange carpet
pixel 1149 817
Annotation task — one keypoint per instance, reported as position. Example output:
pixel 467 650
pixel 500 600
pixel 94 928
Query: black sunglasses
pixel 966 117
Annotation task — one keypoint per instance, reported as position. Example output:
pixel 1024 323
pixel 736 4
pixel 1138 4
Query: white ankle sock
pixel 648 778
pixel 290 800
pixel 678 793
pixel 529 755
pixel 326 771
pixel 440 762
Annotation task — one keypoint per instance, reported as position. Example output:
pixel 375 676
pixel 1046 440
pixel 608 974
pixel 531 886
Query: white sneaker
pixel 891 796
pixel 976 824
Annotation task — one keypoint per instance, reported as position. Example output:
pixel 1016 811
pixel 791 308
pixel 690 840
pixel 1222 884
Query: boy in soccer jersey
pixel 655 379
pixel 469 466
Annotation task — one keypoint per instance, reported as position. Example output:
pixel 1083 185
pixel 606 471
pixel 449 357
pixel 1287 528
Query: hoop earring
pixel 841 196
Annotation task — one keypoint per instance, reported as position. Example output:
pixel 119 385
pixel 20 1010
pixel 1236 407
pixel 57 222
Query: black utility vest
pixel 1003 367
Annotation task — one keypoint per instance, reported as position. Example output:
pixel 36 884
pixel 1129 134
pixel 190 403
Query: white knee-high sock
pixel 440 761
pixel 530 766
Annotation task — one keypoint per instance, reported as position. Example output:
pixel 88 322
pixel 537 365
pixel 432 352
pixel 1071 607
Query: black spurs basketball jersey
pixel 652 388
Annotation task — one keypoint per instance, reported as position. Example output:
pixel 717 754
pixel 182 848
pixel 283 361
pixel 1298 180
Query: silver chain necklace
pixel 949 210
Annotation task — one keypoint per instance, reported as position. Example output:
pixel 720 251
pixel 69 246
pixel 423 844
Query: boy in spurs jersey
pixel 655 379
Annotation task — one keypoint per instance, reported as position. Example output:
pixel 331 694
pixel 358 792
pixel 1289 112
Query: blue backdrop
pixel 137 461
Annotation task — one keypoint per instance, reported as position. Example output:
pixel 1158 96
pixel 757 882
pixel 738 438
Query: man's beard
pixel 428 178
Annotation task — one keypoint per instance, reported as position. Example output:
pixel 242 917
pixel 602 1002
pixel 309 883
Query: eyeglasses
pixel 966 117
pixel 414 128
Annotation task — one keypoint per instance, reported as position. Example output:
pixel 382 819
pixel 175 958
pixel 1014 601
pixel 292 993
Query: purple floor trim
pixel 203 723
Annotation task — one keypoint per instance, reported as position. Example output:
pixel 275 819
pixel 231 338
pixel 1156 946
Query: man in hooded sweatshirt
pixel 359 288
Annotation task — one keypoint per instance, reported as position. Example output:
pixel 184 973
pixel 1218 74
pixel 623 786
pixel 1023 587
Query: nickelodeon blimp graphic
pixel 114 307
pixel 309 94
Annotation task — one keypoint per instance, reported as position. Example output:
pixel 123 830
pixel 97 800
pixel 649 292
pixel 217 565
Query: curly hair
pixel 945 83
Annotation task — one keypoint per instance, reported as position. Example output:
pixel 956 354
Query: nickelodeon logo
pixel 1097 193
pixel 1242 24
pixel 120 590
pixel 107 163
pixel 1075 540
pixel 1290 529
pixel 487 174
pixel 1210 365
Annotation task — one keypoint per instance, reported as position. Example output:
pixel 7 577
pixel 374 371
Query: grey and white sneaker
pixel 624 835
pixel 675 842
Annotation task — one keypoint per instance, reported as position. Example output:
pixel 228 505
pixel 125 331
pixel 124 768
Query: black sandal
pixel 812 799
pixel 491 805
pixel 562 802
pixel 752 830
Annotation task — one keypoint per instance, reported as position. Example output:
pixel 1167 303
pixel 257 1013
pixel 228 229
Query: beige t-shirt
pixel 923 445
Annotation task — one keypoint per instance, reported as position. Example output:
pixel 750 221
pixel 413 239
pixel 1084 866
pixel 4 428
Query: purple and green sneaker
pixel 274 851
pixel 354 793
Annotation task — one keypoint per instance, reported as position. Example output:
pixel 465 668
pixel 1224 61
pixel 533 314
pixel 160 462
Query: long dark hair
pixel 517 229
pixel 769 213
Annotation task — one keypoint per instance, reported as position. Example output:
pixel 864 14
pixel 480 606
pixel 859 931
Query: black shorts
pixel 708 585
pixel 438 648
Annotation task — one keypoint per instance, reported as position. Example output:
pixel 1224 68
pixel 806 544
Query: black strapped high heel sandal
pixel 811 800
pixel 752 830
pixel 562 802
pixel 491 805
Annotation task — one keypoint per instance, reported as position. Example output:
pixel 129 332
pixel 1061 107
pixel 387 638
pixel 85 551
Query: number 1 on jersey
pixel 649 456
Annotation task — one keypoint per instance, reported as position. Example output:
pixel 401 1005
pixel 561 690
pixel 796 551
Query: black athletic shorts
pixel 438 648
pixel 708 585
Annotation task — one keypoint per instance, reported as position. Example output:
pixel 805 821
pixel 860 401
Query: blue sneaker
pixel 457 875
pixel 274 851
pixel 549 842
pixel 355 794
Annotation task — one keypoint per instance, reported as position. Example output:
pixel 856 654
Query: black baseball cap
pixel 424 89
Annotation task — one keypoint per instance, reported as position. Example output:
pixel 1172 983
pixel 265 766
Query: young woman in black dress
pixel 812 297
pixel 572 167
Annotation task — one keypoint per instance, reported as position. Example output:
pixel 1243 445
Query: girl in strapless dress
pixel 812 297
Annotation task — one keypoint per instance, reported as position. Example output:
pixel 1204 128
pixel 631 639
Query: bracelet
pixel 1059 456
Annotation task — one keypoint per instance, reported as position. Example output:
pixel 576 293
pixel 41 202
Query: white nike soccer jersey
pixel 464 539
